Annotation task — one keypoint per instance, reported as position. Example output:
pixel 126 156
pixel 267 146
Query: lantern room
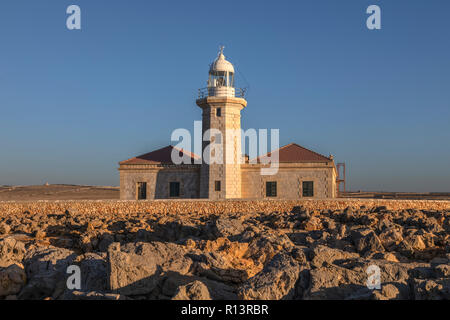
pixel 221 77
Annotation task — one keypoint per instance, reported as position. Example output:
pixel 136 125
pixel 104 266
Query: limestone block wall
pixel 212 172
pixel 158 180
pixel 229 124
pixel 200 206
pixel 233 152
pixel 289 181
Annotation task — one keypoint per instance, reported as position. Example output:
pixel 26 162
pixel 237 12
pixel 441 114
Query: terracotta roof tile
pixel 160 156
pixel 289 153
pixel 295 153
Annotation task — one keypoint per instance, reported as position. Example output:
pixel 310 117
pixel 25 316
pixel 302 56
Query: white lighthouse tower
pixel 221 77
pixel 221 103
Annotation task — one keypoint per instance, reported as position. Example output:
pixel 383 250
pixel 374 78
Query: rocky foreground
pixel 300 254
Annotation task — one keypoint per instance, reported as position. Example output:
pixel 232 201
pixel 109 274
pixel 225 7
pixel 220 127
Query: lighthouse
pixel 221 103
pixel 219 172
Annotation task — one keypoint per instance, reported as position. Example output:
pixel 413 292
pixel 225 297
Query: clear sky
pixel 75 103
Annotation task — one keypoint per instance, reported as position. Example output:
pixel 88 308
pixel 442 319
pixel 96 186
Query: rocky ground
pixel 57 192
pixel 301 254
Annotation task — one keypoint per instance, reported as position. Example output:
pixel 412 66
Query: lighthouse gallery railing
pixel 205 92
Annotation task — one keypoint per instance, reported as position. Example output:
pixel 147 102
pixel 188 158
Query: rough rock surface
pixel 11 251
pixel 192 291
pixel 46 269
pixel 276 281
pixel 137 268
pixel 297 253
pixel 12 280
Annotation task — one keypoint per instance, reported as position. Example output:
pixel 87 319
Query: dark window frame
pixel 218 112
pixel 217 185
pixel 271 189
pixel 308 189
pixel 141 191
pixel 174 189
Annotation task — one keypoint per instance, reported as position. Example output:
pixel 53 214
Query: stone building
pixel 302 173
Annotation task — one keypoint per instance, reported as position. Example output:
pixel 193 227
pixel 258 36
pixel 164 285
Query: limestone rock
pixel 137 268
pixel 405 249
pixel 265 245
pixel 440 260
pixel 326 255
pixel 105 241
pixel 192 291
pixel 312 224
pixel 130 273
pixel 388 256
pixel 4 228
pixel 225 227
pixel 442 271
pixel 93 271
pixel 390 238
pixel 299 255
pixel 428 289
pixel 417 243
pixel 201 250
pixel 46 269
pixel 275 282
pixel 217 290
pixel 222 268
pixel 335 283
pixel 11 251
pixel 40 234
pixel 388 292
pixel 12 280
pixel 367 241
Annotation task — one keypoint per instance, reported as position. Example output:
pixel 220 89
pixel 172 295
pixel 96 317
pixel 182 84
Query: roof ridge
pixel 270 152
pixel 187 153
pixel 144 154
pixel 267 154
pixel 191 154
pixel 319 154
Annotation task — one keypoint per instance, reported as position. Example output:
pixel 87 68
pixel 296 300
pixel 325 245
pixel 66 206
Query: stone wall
pixel 101 207
pixel 229 124
pixel 289 180
pixel 158 179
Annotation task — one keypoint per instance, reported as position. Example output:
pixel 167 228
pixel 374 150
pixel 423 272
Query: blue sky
pixel 75 103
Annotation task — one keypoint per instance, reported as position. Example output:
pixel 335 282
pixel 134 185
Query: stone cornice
pixel 208 101
pixel 158 167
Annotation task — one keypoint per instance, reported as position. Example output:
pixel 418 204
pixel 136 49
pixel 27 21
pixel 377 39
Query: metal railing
pixel 205 92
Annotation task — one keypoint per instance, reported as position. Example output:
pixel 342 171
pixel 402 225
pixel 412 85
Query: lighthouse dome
pixel 221 65
pixel 221 77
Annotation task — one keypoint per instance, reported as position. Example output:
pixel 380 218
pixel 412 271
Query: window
pixel 217 186
pixel 219 112
pixel 174 189
pixel 141 190
pixel 271 189
pixel 221 78
pixel 308 188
